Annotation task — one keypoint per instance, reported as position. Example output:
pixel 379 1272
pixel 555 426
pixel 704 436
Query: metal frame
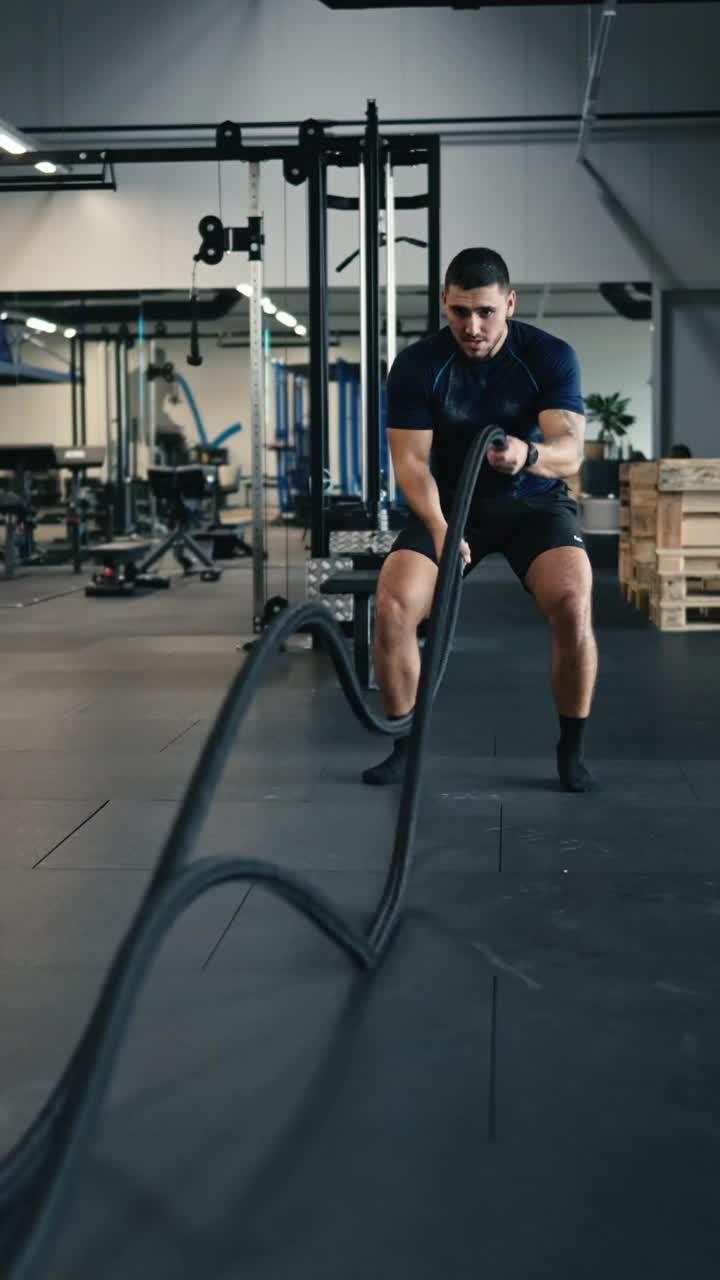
pixel 390 297
pixel 363 337
pixel 305 161
pixel 370 284
pixel 122 515
pixel 257 399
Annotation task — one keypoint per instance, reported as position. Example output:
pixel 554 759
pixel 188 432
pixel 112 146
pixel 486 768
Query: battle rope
pixel 36 1176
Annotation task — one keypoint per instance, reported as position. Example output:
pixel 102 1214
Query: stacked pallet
pixel 685 591
pixel 670 541
pixel 638 516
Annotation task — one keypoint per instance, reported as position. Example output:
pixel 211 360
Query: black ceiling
pixel 121 306
pixel 469 4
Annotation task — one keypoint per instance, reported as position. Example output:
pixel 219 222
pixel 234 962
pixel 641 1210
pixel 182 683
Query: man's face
pixel 478 318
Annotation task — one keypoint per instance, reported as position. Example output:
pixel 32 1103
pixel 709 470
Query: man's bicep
pixel 557 423
pixel 409 446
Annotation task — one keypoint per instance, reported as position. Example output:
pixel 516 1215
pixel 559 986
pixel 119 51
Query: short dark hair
pixel 476 268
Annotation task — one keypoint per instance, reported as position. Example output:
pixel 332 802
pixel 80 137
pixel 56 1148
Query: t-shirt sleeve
pixel 408 394
pixel 560 383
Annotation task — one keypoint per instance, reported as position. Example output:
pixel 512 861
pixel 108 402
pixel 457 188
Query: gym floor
pixel 527 1087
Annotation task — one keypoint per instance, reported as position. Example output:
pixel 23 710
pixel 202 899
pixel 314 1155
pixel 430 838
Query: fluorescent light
pixel 268 307
pixel 40 326
pixel 46 166
pixel 284 317
pixel 245 289
pixel 300 330
pixel 14 140
pixel 4 315
pixel 71 333
pixel 12 144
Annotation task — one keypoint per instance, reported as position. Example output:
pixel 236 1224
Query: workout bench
pixel 361 584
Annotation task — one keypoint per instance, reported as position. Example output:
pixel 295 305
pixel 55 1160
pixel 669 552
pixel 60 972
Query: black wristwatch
pixel 532 457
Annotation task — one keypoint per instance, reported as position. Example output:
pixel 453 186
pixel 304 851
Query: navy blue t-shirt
pixel 434 386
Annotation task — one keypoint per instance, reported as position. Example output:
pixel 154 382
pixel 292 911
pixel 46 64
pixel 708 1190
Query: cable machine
pixel 307 162
pixel 318 149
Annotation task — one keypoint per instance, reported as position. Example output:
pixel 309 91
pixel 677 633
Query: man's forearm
pixel 558 459
pixel 421 493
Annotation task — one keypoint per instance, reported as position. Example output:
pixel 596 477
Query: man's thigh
pixel 417 537
pixel 542 525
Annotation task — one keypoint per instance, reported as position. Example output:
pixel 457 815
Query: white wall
pixel 73 61
pixel 615 355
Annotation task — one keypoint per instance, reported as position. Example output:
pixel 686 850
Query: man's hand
pixel 510 460
pixel 438 535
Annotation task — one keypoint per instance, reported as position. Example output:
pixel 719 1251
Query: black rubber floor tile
pixel 35 705
pixel 310 1098
pixel 71 733
pixel 561 930
pixel 162 775
pixel 626 838
pixel 703 778
pixel 78 917
pixel 32 828
pixel 141 702
pixel 514 778
pixel 286 832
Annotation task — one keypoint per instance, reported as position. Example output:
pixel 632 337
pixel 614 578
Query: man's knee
pixel 570 612
pixel 403 600
pixel 394 616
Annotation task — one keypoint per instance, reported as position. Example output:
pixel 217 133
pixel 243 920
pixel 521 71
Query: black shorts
pixel 520 528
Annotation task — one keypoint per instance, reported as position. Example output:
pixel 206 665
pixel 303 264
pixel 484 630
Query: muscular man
pixel 484 368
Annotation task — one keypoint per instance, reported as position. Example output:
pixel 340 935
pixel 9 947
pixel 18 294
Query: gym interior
pixel 260 1020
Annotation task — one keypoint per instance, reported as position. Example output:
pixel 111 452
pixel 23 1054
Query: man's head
pixel 478 301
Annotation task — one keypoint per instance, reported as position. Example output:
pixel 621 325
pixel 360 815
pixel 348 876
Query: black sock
pixel 572 732
pixel 393 768
pixel 573 774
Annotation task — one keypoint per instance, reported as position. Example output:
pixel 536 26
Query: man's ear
pixel 512 299
pixel 443 299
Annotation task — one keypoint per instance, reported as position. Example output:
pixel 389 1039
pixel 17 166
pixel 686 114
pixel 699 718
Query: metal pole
pixel 371 161
pixel 128 513
pixel 152 428
pixel 83 394
pixel 125 436
pixel 391 296
pixel 592 87
pixel 257 401
pixel 73 388
pixel 434 267
pixel 142 429
pixel 363 337
pixel 317 265
pixel 119 451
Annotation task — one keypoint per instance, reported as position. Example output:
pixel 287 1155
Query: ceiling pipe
pixel 592 88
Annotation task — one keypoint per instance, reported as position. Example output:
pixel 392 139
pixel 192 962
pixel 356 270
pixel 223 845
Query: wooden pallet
pixel 692 613
pixel 688 475
pixel 697 562
pixel 688 520
pixel 638 596
pixel 637 588
pixel 685 591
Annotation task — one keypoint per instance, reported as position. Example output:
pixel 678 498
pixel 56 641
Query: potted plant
pixel 610 412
